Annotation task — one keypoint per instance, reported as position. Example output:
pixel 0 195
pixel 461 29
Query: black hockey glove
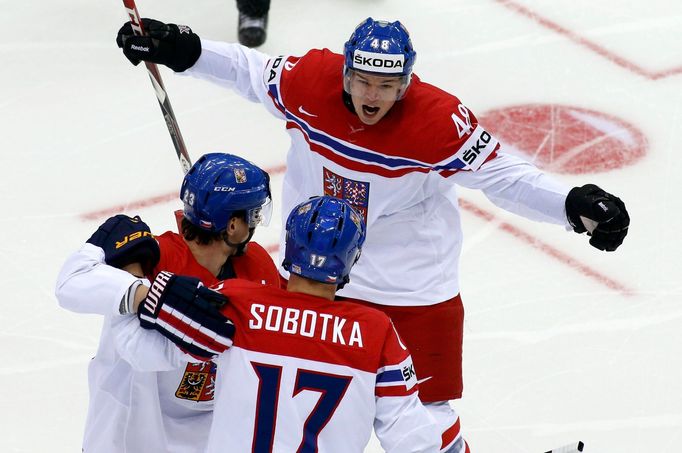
pixel 601 214
pixel 183 310
pixel 175 46
pixel 127 240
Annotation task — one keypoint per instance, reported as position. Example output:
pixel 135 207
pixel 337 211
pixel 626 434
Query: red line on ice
pixel 145 203
pixel 582 41
pixel 548 249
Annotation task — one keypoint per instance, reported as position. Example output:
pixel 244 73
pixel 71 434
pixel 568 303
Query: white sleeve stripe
pixel 478 147
pixel 177 314
pixel 227 342
pixel 188 339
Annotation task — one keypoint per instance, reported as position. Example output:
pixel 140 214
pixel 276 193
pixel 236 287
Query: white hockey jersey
pixel 400 173
pixel 306 374
pixel 131 410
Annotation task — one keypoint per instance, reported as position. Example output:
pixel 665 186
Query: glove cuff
pixel 149 308
pixel 573 211
pixel 188 50
pixel 128 299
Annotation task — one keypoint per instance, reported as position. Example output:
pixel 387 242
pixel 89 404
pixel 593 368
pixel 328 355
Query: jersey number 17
pixel 331 387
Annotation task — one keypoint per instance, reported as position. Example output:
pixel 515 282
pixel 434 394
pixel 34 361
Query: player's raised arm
pixel 229 65
pixel 519 187
pixel 92 281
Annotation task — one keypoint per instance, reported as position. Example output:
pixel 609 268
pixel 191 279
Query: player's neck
pixel 211 256
pixel 298 284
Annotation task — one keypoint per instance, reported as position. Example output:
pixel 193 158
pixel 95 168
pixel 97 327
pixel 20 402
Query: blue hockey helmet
pixel 324 236
pixel 382 48
pixel 218 185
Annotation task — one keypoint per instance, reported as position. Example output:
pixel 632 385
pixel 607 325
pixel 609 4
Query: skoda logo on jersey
pixel 378 62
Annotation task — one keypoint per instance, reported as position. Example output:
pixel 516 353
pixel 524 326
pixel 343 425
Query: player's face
pixel 373 95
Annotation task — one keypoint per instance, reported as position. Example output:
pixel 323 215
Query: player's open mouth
pixel 369 111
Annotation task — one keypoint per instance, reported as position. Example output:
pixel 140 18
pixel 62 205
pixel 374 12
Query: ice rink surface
pixel 562 342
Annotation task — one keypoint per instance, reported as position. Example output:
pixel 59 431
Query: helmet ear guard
pixel 324 238
pixel 219 185
pixel 379 48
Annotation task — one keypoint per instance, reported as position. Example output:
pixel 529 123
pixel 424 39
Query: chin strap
pixel 240 246
pixel 348 101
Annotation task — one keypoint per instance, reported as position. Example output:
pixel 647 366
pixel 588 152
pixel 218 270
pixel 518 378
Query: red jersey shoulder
pixel 176 257
pixel 256 265
pixel 429 125
pixel 240 287
pixel 315 74
pixel 457 141
pixel 236 287
pixel 174 252
pixel 432 123
pixel 276 321
pixel 439 119
pixel 430 128
pixel 308 68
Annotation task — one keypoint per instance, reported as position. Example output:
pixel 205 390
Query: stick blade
pixel 572 448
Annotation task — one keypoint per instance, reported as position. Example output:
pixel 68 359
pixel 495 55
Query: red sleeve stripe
pixel 181 334
pixel 191 332
pixel 396 390
pixel 188 325
pixel 450 435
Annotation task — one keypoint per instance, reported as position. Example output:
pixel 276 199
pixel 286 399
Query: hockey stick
pixel 572 448
pixel 161 96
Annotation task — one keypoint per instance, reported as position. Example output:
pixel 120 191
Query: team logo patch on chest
pixel 198 382
pixel 354 192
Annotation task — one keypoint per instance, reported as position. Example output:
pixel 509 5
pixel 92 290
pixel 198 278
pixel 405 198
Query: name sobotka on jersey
pixel 294 321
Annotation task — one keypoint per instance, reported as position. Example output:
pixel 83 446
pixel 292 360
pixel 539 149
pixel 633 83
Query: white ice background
pixel 551 356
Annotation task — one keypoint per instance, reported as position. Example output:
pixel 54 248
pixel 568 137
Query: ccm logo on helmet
pixel 378 62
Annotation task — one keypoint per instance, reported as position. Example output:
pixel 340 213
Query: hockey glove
pixel 175 46
pixel 601 214
pixel 127 240
pixel 183 310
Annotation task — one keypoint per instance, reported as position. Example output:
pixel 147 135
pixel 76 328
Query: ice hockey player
pixel 304 372
pixel 364 128
pixel 130 410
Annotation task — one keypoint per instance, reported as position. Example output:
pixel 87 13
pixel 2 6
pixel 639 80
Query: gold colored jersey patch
pixel 198 382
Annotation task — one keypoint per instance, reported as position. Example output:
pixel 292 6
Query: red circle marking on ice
pixel 565 139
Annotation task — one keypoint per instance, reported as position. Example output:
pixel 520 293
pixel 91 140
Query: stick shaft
pixel 161 95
